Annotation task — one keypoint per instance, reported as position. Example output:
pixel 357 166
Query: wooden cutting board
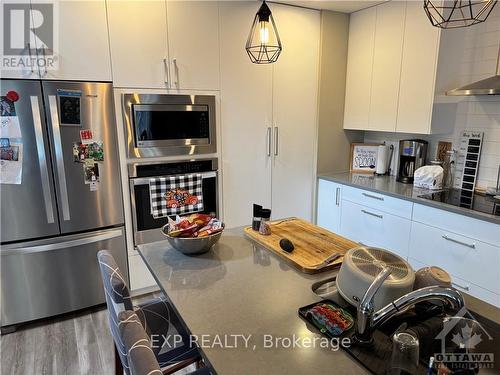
pixel 312 243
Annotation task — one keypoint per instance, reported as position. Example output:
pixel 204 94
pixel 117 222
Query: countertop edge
pixel 343 179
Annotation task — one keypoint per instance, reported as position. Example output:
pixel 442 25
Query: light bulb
pixel 264 32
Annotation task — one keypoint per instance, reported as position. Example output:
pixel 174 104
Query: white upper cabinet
pixel 83 42
pixel 158 44
pixel 391 69
pixel 387 65
pixel 80 49
pixel 138 40
pixel 295 107
pixel 193 40
pixel 359 69
pixel 418 71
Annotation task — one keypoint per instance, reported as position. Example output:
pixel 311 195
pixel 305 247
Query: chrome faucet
pixel 368 320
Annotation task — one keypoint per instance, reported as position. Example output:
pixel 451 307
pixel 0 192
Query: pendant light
pixel 449 14
pixel 263 45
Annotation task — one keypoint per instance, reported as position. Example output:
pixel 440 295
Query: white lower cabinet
pixel 464 257
pixel 139 274
pixel 377 228
pixel 328 212
pixel 467 248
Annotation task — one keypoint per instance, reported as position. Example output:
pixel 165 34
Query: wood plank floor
pixel 76 344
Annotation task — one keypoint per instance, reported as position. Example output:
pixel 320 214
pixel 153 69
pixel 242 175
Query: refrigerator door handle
pixel 42 160
pixel 61 174
pixel 78 241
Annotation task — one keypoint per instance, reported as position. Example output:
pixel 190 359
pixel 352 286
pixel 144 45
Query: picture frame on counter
pixel 363 157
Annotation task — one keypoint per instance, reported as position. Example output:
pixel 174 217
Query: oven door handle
pixel 145 180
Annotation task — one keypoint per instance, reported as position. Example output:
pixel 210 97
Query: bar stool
pixel 141 358
pixel 157 318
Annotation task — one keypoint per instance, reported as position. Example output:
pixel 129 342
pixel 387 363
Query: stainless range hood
pixel 488 86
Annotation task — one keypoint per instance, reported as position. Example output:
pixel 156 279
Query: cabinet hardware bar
pixel 372 214
pixel 373 196
pixel 471 245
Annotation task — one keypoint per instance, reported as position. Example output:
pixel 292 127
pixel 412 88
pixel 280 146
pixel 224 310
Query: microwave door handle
pixel 61 173
pixel 42 160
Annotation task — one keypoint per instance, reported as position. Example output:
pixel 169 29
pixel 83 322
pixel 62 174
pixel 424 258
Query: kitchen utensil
pixel 405 351
pixel 328 260
pixel 362 264
pixel 191 246
pixel 312 244
pixel 429 276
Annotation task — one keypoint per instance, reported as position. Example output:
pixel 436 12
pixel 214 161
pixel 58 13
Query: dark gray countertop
pixel 389 186
pixel 241 288
pixel 238 288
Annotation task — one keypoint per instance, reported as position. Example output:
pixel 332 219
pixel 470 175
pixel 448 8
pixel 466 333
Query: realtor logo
pixel 461 343
pixel 29 36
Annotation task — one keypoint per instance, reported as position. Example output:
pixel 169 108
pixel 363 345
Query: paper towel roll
pixel 382 159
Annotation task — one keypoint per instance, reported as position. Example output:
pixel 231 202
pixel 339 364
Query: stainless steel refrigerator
pixel 64 210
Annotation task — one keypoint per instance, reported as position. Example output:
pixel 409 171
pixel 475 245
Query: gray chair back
pixel 117 299
pixel 140 356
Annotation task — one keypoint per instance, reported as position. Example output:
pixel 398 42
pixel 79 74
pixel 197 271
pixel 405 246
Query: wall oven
pixel 147 228
pixel 169 125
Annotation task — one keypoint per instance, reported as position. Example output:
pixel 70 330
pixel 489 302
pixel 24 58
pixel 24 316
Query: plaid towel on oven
pixel 176 195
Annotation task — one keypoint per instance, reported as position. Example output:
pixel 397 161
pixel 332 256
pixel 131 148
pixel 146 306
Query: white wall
pixel 333 141
pixel 479 59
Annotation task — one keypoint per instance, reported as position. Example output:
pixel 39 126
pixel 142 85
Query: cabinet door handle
pixel 166 73
pixel 28 45
pixel 471 245
pixel 373 196
pixel 176 72
pixel 276 142
pixel 44 62
pixel 269 141
pixel 337 197
pixel 372 214
pixel 464 287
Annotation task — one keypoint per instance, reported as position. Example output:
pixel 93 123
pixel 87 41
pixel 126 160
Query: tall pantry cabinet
pixel 269 115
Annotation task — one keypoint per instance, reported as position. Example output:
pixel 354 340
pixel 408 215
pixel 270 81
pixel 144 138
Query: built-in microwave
pixel 169 125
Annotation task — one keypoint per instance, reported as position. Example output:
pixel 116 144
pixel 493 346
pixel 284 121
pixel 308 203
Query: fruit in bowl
pixel 193 234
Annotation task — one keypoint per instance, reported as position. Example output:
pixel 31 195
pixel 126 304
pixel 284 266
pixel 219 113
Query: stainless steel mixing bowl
pixel 191 246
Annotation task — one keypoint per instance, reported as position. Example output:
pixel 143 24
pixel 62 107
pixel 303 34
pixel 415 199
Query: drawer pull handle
pixel 337 197
pixel 471 245
pixel 464 287
pixel 372 214
pixel 373 196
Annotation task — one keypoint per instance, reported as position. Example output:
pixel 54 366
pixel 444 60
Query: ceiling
pixel 344 6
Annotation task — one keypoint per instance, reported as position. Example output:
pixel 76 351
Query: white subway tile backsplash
pixel 479 59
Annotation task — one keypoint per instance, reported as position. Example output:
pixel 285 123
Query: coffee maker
pixel 412 155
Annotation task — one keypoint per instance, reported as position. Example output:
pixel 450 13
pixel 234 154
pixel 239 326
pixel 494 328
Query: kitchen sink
pixel 428 319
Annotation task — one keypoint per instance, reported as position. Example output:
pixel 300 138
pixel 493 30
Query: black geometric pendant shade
pixel 452 14
pixel 263 44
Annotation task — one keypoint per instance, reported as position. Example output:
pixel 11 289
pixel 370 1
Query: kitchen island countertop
pixel 241 288
pixel 389 186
